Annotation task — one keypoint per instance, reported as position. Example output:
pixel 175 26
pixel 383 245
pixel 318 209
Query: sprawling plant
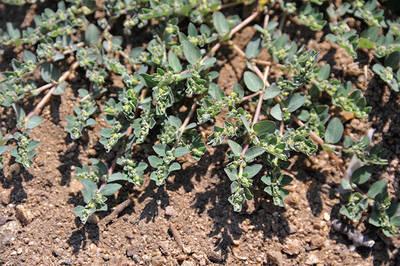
pixel 176 67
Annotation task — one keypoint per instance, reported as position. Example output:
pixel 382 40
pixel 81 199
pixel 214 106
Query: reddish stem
pixel 321 142
pixel 114 162
pixel 249 97
pixel 243 23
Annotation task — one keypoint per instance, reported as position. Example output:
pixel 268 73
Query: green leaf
pixel 378 69
pixel 268 190
pixel 364 43
pixel 78 210
pixel 361 175
pixel 272 91
pixel 220 23
pixel 248 193
pixel 141 167
pixel 266 180
pixel 60 89
pixel 3 149
pixel 180 151
pixel 276 112
pixel 90 187
pixel 29 56
pixel 155 161
pixel 19 112
pixel 253 83
pixel 160 149
pixel 174 167
pixel 374 219
pixel 236 148
pixel 92 35
pixel 174 62
pixel 346 184
pixel 49 72
pixel 334 131
pixel 296 101
pixel 216 92
pixel 394 209
pixel 32 145
pixel 238 90
pixel 13 32
pixel 231 173
pixel 395 221
pixel 34 121
pixel 324 72
pixel 174 121
pixel 253 48
pixel 264 128
pixel 245 123
pixel 371 34
pixel 192 31
pixel 110 189
pixel 377 188
pixel 393 60
pixel 99 167
pixel 191 52
pixel 253 153
pixel 252 170
pixel 106 132
pixel 116 177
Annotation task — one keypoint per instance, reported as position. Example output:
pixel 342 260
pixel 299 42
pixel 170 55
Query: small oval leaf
pixel 334 131
pixel 191 52
pixel 253 83
pixel 220 23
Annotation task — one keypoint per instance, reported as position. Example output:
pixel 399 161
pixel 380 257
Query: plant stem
pixel 249 97
pixel 321 142
pixel 282 22
pixel 45 87
pixel 259 105
pixel 243 54
pixel 114 162
pixel 260 62
pixel 46 98
pixel 261 98
pixel 189 116
pixel 244 23
pixel 81 44
pixel 237 49
pixel 229 5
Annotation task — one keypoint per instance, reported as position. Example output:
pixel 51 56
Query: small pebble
pixel 215 257
pixel 92 152
pixel 170 211
pixel 327 217
pixel 236 242
pixel 5 197
pixel 23 215
pixel 7 239
pixel 106 257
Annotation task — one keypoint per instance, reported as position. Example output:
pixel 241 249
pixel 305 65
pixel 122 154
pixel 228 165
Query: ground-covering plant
pixel 177 67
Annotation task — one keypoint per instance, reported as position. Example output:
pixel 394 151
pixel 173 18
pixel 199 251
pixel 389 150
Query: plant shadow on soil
pixel 226 222
pixel 385 119
pixel 14 181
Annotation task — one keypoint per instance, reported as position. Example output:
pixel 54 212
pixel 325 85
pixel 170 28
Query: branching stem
pixel 244 23
pixel 321 142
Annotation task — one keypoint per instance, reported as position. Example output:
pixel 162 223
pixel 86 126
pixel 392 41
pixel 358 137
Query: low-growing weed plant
pixel 299 111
